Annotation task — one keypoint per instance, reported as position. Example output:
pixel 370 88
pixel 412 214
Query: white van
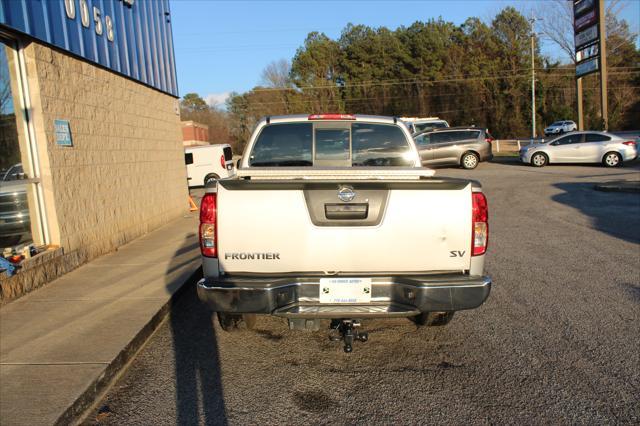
pixel 208 162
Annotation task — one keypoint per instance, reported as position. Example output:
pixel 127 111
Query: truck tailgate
pixel 392 226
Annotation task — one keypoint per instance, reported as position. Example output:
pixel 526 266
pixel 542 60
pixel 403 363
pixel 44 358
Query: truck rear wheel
pixel 433 319
pixel 233 322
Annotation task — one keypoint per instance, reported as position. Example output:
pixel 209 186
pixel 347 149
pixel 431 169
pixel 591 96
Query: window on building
pixel 20 225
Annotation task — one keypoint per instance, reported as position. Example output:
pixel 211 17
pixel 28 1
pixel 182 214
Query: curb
pixel 629 187
pixel 81 407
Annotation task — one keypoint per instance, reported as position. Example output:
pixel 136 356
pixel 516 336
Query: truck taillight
pixel 480 224
pixel 208 225
pixel 331 117
pixel 222 162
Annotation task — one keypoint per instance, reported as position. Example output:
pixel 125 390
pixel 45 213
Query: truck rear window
pixel 332 144
pixel 291 144
pixel 379 145
pixel 283 145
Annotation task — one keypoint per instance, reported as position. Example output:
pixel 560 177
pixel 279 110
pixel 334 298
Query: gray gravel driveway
pixel 558 340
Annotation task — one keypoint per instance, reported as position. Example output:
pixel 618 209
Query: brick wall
pixel 195 133
pixel 125 174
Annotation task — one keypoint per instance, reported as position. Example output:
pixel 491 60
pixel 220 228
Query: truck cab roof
pixel 294 118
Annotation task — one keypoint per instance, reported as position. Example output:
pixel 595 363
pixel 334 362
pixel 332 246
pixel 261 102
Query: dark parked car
pixel 15 223
pixel 462 146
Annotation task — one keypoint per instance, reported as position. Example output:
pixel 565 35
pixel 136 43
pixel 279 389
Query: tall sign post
pixel 590 48
pixel 604 102
pixel 580 111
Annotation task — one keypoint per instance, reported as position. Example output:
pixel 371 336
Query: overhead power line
pixel 370 83
pixel 253 105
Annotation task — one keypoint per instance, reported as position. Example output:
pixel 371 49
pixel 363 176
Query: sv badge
pixel 457 253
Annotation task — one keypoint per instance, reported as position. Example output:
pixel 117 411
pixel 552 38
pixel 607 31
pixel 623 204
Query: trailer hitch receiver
pixel 346 330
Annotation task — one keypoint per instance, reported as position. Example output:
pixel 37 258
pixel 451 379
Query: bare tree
pixel 557 23
pixel 5 94
pixel 276 74
pixel 5 85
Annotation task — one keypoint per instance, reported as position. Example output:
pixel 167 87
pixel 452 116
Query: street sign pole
pixel 580 112
pixel 590 47
pixel 603 68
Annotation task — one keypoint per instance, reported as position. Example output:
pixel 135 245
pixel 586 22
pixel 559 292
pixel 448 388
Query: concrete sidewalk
pixel 62 345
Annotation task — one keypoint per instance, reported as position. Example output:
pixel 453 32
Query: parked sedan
pixel 462 146
pixel 581 147
pixel 560 127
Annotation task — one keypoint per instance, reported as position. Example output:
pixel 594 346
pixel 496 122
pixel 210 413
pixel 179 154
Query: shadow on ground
pixel 510 160
pixel 615 214
pixel 199 395
pixel 515 161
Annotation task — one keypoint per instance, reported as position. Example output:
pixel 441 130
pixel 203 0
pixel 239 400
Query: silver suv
pixel 560 127
pixel 461 146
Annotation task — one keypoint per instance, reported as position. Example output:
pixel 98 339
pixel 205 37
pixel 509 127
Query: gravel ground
pixel 558 340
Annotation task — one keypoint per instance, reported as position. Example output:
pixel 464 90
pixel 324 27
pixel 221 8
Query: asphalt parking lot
pixel 556 342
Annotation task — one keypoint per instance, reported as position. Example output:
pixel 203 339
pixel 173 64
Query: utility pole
pixel 533 77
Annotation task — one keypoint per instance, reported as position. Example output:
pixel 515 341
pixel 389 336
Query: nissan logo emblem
pixel 346 194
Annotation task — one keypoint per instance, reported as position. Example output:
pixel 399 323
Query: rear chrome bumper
pixel 298 297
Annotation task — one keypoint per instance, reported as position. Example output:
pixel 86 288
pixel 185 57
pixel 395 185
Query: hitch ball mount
pixel 346 330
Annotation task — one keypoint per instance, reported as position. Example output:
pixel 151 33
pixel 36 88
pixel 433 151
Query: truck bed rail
pixel 360 173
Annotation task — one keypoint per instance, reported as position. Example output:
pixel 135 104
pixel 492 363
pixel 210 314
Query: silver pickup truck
pixel 331 217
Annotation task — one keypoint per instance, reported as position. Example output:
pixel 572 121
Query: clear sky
pixel 223 46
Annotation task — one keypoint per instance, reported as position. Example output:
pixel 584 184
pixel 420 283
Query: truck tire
pixel 233 322
pixel 433 319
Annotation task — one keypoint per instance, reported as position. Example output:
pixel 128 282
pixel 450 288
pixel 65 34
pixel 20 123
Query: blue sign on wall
pixel 62 133
pixel 131 37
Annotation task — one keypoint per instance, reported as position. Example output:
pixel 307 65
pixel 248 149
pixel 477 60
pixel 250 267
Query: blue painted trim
pixel 142 48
